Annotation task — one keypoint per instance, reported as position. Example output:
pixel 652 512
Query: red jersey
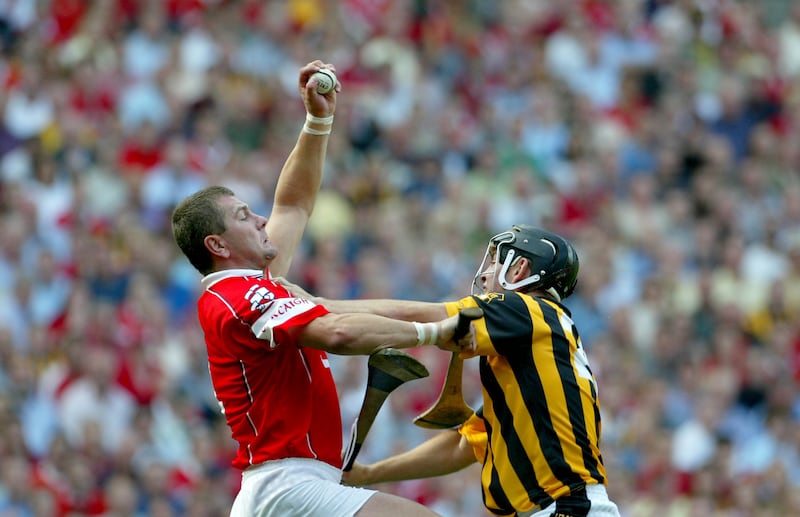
pixel 278 397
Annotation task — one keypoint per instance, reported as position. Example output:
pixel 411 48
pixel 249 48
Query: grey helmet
pixel 554 261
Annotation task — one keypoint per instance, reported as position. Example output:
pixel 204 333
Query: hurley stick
pixel 386 370
pixel 450 409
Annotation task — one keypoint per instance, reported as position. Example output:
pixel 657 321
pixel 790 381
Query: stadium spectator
pixel 482 71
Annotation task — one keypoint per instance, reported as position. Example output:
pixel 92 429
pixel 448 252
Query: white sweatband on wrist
pixel 420 333
pixel 319 120
pixel 317 132
pixel 427 333
pixel 434 333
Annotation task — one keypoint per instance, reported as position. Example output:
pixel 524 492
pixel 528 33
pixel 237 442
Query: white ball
pixel 326 80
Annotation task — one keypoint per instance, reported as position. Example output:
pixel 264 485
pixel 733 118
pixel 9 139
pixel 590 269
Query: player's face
pixel 488 277
pixel 245 236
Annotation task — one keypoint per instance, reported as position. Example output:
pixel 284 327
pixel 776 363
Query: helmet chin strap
pixel 513 286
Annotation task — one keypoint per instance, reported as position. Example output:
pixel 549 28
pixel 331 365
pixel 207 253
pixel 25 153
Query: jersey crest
pixel 259 297
pixel 489 297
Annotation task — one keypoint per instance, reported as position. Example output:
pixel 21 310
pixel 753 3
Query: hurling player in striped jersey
pixel 267 349
pixel 537 434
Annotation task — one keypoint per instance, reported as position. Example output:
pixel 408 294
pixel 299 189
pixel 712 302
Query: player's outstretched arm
pixel 406 310
pixel 445 453
pixel 363 334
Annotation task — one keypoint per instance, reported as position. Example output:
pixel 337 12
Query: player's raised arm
pixel 301 176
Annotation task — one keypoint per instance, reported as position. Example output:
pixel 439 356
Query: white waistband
pixel 594 492
pixel 294 469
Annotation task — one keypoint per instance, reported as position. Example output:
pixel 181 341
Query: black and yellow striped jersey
pixel 540 410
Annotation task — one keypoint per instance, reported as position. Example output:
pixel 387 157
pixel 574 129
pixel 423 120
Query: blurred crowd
pixel 661 136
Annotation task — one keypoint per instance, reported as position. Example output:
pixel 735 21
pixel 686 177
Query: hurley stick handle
pixel 465 316
pixel 450 409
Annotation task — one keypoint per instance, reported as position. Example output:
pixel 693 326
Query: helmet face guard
pixel 553 261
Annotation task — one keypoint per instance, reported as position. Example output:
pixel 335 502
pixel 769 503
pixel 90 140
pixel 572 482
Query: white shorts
pixel 296 487
pixel 601 505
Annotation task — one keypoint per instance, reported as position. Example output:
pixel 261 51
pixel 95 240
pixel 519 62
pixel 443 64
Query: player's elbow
pixel 333 334
pixel 339 341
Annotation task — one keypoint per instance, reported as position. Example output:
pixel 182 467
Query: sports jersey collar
pixel 549 300
pixel 213 278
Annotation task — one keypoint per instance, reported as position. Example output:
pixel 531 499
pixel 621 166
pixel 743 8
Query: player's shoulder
pixel 516 301
pixel 499 299
pixel 238 291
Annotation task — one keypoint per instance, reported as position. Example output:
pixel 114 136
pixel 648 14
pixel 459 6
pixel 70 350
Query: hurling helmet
pixel 553 259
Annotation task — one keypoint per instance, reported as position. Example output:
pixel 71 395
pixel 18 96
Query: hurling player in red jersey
pixel 267 349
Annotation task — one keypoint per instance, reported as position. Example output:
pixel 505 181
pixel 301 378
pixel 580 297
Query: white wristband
pixel 319 120
pixel 434 333
pixel 420 333
pixel 427 333
pixel 317 132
